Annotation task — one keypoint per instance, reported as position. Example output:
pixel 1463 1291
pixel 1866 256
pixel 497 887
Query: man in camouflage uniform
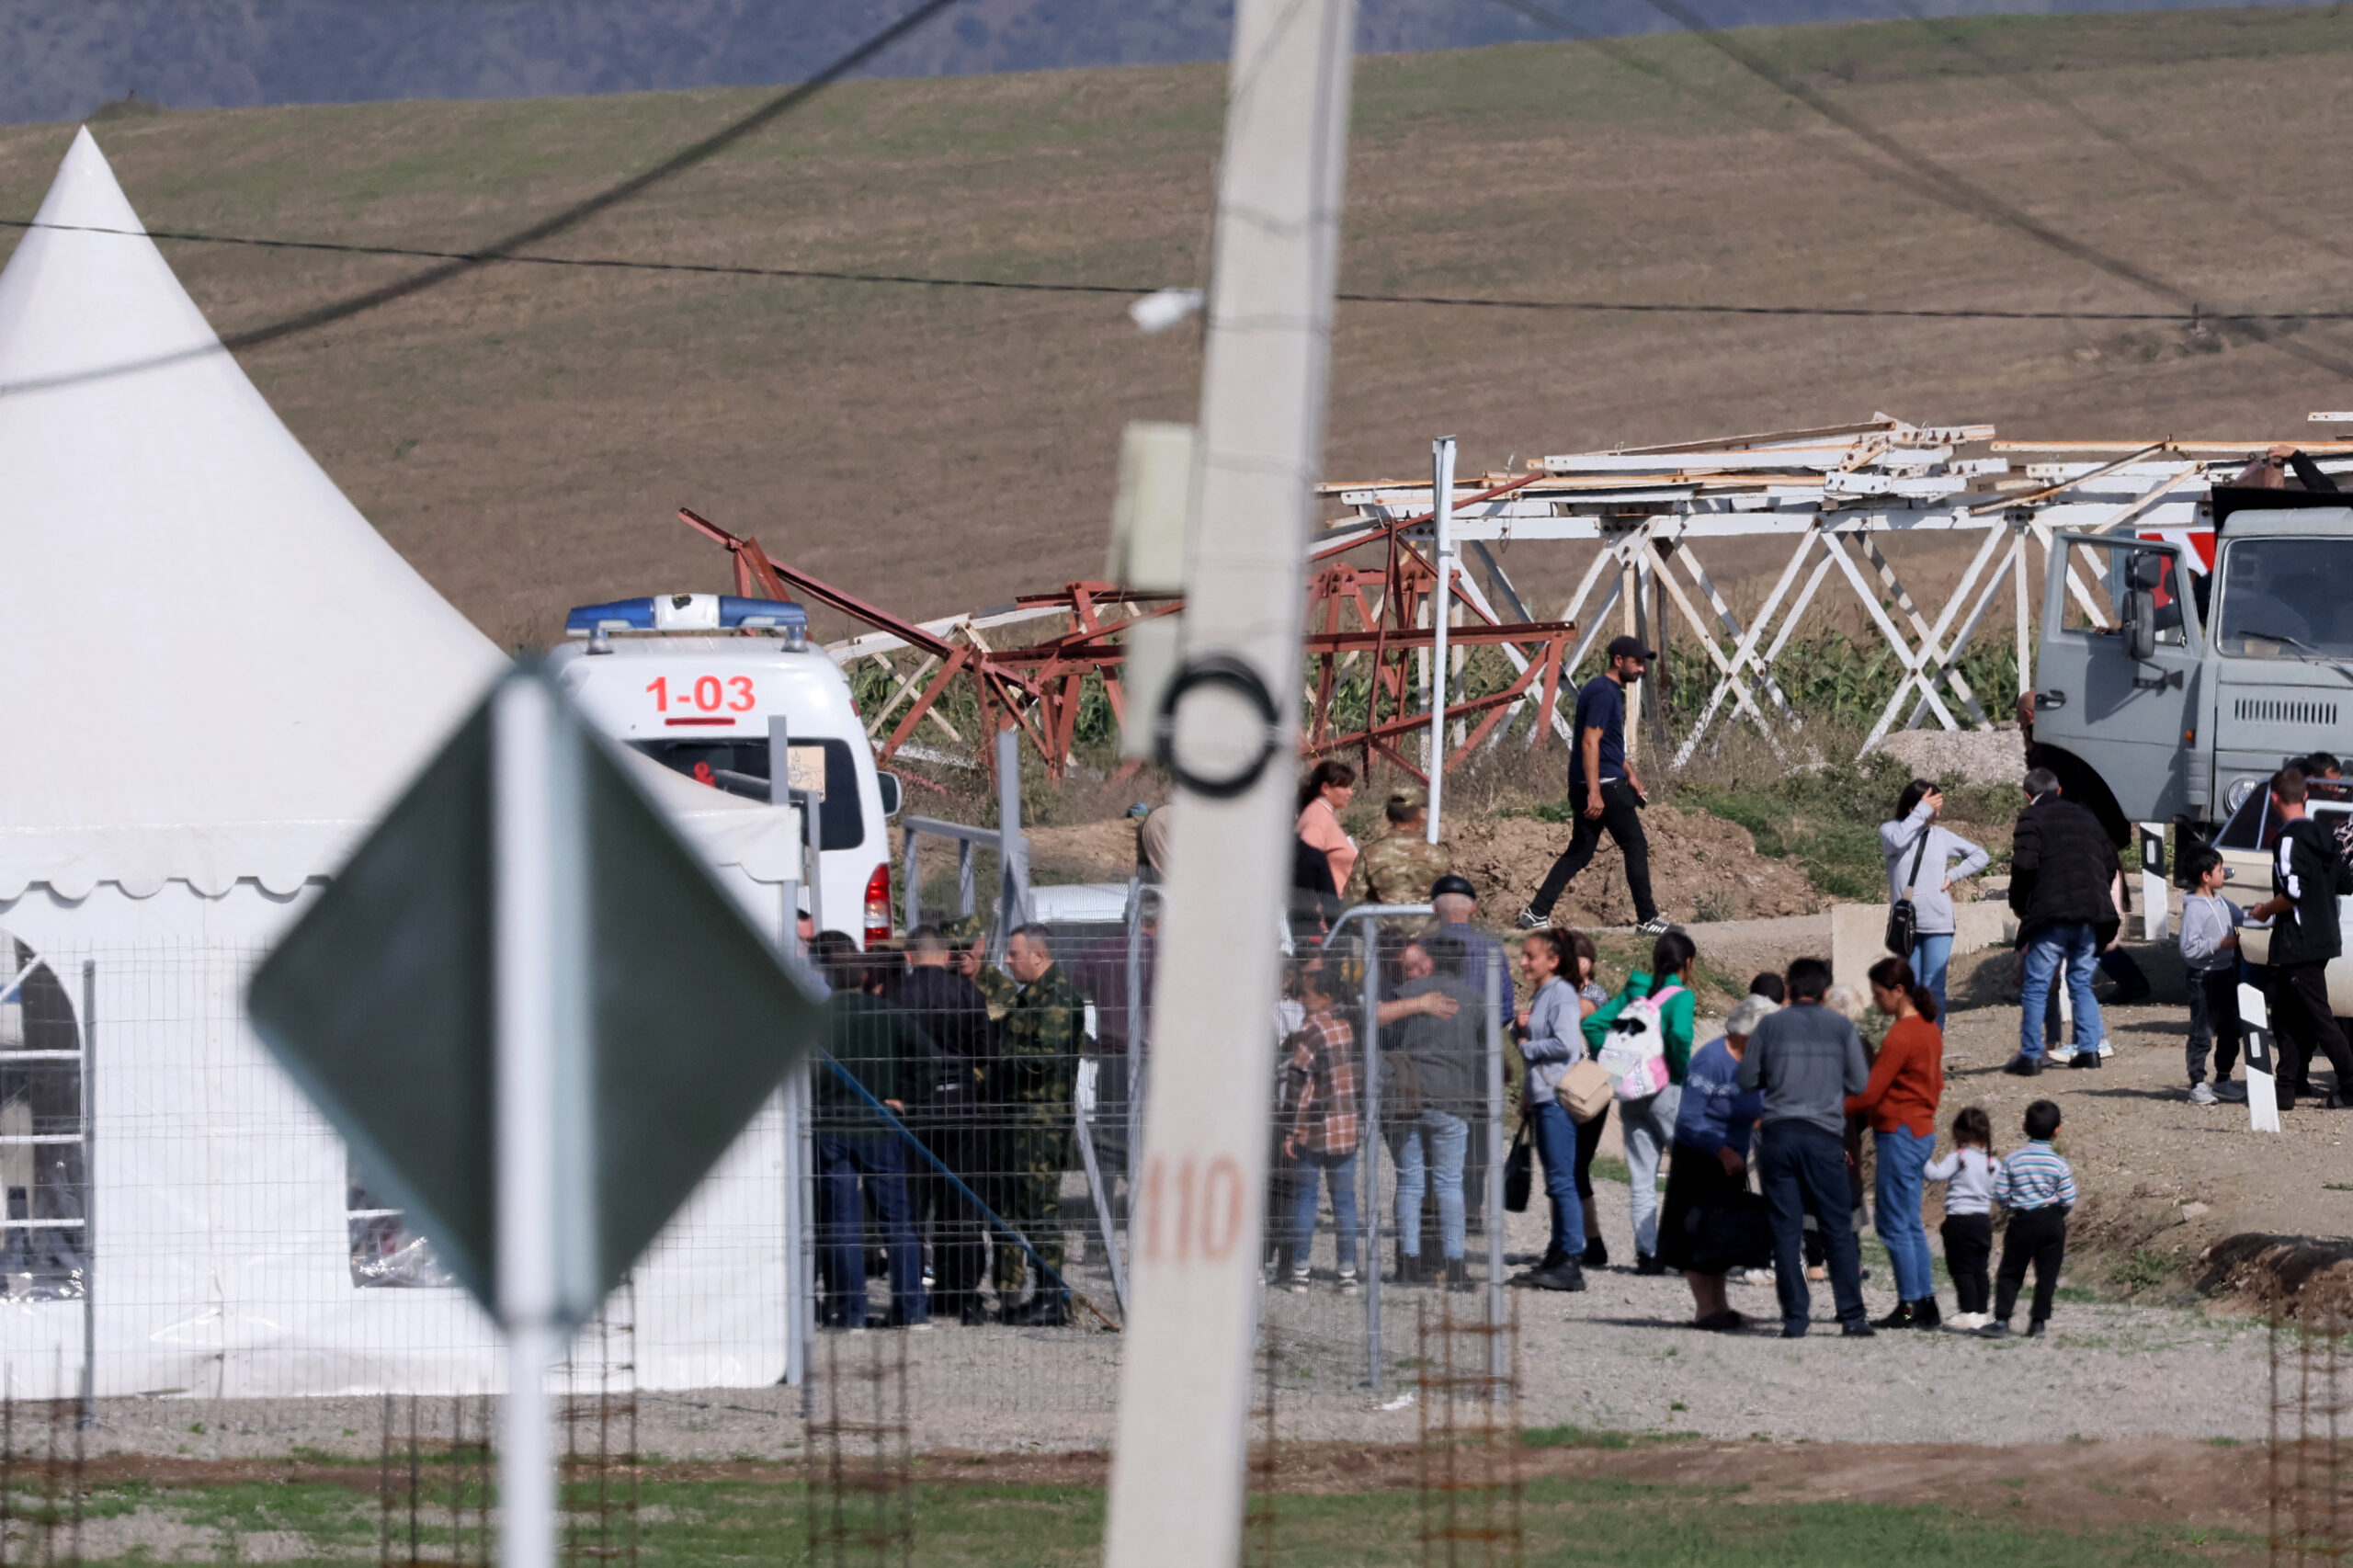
pixel 1400 868
pixel 967 935
pixel 1037 1069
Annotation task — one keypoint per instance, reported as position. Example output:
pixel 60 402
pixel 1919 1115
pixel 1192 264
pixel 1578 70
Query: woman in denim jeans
pixel 1550 1041
pixel 1445 1055
pixel 1649 1124
pixel 1907 1080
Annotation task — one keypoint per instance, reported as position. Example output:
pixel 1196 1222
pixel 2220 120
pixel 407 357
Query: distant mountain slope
pixel 59 59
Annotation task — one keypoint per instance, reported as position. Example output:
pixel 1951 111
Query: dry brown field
pixel 524 435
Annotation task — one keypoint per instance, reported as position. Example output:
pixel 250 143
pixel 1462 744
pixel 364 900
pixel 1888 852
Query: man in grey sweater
pixel 1808 1059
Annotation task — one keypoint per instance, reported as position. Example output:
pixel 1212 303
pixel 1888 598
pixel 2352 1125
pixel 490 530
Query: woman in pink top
pixel 1329 789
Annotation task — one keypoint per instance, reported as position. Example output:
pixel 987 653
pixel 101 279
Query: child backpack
pixel 1635 1053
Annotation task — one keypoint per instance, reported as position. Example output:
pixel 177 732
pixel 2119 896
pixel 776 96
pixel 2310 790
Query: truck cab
pixel 694 681
pixel 2169 688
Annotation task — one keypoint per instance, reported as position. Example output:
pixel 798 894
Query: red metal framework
pixel 1379 615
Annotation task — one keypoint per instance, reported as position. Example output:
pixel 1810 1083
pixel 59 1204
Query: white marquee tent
pixel 217 674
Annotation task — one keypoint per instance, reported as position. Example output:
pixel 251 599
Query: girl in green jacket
pixel 1649 1124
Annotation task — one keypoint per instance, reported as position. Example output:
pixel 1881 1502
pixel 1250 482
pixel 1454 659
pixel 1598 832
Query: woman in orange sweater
pixel 1906 1082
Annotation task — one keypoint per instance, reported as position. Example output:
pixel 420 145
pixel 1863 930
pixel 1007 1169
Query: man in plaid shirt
pixel 1322 1131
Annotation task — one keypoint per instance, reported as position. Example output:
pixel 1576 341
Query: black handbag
pixel 1903 919
pixel 1519 1171
pixel 1731 1233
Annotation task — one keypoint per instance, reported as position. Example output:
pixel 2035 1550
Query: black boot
pixel 1047 1309
pixel 1597 1253
pixel 1925 1314
pixel 1899 1318
pixel 1410 1270
pixel 1553 1257
pixel 1458 1276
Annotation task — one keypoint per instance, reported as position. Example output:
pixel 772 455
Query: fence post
pixel 1495 1346
pixel 89 1193
pixel 1369 1210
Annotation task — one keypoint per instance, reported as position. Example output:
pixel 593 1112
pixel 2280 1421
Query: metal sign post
pixel 536 1021
pixel 1177 1477
pixel 2262 1060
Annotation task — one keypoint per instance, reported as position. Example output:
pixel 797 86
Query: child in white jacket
pixel 1968 1229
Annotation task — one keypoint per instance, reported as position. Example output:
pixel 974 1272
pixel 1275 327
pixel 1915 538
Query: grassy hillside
pixel 524 435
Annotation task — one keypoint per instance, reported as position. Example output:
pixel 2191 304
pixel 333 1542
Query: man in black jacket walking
pixel 2061 864
pixel 2308 876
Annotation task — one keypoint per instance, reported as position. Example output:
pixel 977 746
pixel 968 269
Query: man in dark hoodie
pixel 2307 878
pixel 880 1066
pixel 2062 863
pixel 950 1009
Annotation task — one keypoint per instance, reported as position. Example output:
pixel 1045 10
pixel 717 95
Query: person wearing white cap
pixel 1708 1181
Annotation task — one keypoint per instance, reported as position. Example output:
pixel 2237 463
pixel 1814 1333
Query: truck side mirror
pixel 2146 572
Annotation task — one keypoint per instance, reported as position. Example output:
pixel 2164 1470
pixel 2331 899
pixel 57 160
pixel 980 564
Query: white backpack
pixel 1635 1053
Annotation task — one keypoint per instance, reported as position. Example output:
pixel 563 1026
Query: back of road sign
pixel 381 1002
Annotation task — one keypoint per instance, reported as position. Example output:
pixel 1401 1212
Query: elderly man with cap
pixel 1606 792
pixel 1400 867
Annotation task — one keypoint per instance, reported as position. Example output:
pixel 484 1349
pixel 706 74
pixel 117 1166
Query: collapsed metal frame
pixel 1383 618
pixel 1835 493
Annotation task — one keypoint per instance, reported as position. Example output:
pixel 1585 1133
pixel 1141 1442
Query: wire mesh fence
pixel 193 1260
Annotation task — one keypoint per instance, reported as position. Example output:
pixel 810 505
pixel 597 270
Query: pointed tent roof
pixel 212 666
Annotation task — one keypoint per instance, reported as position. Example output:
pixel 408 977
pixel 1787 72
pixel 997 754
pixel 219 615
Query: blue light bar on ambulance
pixel 689 613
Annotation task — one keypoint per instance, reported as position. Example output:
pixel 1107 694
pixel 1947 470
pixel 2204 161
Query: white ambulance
pixel 693 680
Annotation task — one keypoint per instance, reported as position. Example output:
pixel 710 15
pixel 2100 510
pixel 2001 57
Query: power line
pixel 2172 168
pixel 1125 290
pixel 1952 189
pixel 457 264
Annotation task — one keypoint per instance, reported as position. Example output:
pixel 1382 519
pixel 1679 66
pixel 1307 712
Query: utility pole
pixel 1177 1474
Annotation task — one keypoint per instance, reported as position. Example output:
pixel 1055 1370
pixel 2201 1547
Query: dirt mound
pixel 1703 869
pixel 2292 1270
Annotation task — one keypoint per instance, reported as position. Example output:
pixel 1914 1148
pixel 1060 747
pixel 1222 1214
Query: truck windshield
pixel 2286 598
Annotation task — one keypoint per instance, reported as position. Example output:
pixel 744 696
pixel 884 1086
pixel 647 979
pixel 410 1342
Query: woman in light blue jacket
pixel 1549 1040
pixel 1945 858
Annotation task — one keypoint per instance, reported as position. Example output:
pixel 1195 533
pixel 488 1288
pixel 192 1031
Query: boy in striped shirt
pixel 2037 1188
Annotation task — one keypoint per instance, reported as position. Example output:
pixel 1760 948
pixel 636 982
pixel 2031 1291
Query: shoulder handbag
pixel 1586 1089
pixel 1401 1087
pixel 1731 1232
pixel 1903 919
pixel 1520 1175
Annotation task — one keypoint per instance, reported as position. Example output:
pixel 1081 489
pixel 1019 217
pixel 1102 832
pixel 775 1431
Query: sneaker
pixel 2230 1093
pixel 2034 1328
pixel 2199 1094
pixel 1568 1277
pixel 1296 1282
pixel 1648 1264
pixel 2108 1048
pixel 1656 925
pixel 1532 921
pixel 1348 1286
pixel 2023 1066
pixel 1997 1328
pixel 2084 1059
pixel 1857 1330
pixel 1965 1323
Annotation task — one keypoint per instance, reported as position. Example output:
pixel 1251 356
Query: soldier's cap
pixel 964 930
pixel 1409 797
pixel 1451 883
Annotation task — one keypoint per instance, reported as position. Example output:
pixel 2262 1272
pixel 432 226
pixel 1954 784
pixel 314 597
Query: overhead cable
pixel 2192 317
pixel 1944 185
pixel 457 264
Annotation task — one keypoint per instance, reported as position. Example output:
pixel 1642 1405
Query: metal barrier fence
pixel 182 1229
pixel 981 1185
